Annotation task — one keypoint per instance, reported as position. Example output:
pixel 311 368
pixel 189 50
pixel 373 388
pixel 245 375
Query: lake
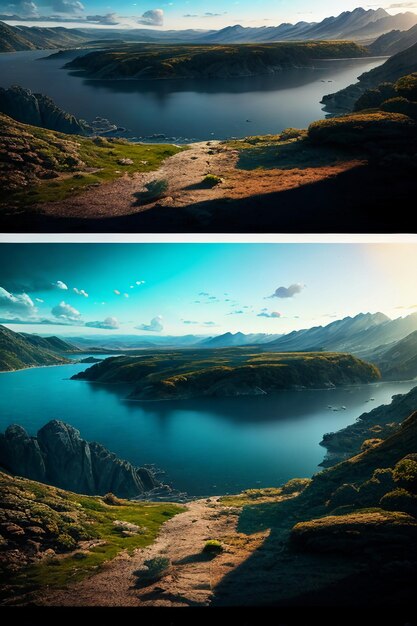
pixel 188 110
pixel 206 447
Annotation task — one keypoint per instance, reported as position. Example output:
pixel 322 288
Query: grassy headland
pixel 144 61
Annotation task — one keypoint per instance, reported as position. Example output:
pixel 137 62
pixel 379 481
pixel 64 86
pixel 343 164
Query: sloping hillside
pixel 17 352
pixel 17 38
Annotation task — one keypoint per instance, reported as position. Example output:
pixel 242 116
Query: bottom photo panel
pixel 208 424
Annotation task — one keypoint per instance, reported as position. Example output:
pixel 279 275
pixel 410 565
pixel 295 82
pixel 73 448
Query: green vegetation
pixel 62 537
pixel 211 180
pixel 38 165
pixel 153 570
pixel 213 546
pixel 223 372
pixel 268 494
pixel 17 351
pixel 154 190
pixel 392 130
pixel 287 151
pixel 399 97
pixel 158 61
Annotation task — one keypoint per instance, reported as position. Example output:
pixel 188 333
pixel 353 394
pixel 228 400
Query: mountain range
pixel 359 25
pixel 18 351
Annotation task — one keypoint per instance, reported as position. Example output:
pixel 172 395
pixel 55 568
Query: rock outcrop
pixel 60 457
pixel 38 110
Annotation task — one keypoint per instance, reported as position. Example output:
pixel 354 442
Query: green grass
pixel 69 568
pixel 40 165
pixel 213 546
pixel 68 519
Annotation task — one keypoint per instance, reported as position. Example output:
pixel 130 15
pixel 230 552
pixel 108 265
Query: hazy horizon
pixel 180 15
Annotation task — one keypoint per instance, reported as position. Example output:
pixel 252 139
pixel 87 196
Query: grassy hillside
pixel 50 343
pixel 50 537
pixel 13 38
pixel 17 352
pixel 38 165
pixel 227 372
pixel 140 61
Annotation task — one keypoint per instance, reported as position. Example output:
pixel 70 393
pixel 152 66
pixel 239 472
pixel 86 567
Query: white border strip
pixel 208 238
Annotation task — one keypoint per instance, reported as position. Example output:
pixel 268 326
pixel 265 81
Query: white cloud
pixel 67 6
pixel 288 292
pixel 110 323
pixel 110 19
pixel 117 292
pixel 23 8
pixel 274 314
pixel 140 282
pixel 189 322
pixel 80 292
pixel 17 303
pixel 155 325
pixel 240 312
pixel 60 285
pixel 126 295
pixel 39 300
pixel 65 311
pixel 154 17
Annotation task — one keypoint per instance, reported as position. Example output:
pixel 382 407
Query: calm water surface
pixel 206 447
pixel 188 109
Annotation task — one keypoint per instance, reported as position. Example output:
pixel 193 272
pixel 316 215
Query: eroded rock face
pixel 60 457
pixel 38 110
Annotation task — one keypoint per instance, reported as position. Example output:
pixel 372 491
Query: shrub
pixel 295 485
pixel 344 495
pixel 400 500
pixel 211 180
pixel 370 443
pixel 405 474
pixel 155 189
pixel 373 98
pixel 291 133
pixel 400 105
pixel 112 500
pixel 65 542
pixel 212 546
pixel 154 569
pixel 407 86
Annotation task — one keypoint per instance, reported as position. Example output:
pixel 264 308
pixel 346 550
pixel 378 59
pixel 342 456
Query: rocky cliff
pixel 38 110
pixel 60 457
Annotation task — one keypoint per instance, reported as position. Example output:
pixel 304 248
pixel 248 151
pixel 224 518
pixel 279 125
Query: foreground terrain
pixel 346 537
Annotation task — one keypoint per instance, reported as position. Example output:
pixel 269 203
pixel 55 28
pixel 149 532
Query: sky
pixel 201 289
pixel 181 14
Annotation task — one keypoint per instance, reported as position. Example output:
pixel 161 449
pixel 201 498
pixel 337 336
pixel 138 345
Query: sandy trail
pixel 184 173
pixel 193 575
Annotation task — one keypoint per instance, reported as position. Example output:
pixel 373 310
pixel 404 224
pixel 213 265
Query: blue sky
pixel 202 289
pixel 202 14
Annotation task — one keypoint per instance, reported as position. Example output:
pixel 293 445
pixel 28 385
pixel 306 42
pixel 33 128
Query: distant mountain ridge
pixel 20 351
pixel 393 42
pixel 359 334
pixel 19 38
pixel 359 24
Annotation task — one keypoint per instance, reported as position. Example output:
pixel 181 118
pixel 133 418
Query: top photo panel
pixel 195 117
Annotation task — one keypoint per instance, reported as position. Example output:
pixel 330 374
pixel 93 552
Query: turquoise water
pixel 188 109
pixel 206 447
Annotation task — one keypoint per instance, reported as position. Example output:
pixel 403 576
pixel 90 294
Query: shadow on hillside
pixel 280 575
pixel 289 156
pixel 363 199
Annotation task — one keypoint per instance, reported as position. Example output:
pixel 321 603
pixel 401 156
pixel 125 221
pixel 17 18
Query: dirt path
pixel 193 576
pixel 184 173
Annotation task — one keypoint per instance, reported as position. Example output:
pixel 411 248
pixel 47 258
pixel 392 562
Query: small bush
pixel 400 500
pixel 154 569
pixel 344 495
pixel 295 485
pixel 211 180
pixel 155 189
pixel 291 133
pixel 212 546
pixel 112 500
pixel 370 443
pixel 405 474
pixel 407 86
pixel 400 105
